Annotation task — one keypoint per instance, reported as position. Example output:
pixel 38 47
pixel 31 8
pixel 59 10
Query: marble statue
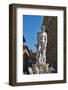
pixel 42 44
pixel 41 66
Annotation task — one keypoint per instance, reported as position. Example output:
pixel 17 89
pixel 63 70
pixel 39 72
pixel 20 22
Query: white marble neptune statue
pixel 42 44
pixel 41 66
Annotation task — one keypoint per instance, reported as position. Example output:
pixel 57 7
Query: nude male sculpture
pixel 42 44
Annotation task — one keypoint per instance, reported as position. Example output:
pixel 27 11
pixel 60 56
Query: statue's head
pixel 43 28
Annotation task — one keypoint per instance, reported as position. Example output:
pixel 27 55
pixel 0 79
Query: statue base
pixel 40 68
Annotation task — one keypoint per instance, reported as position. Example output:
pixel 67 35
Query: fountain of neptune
pixel 41 66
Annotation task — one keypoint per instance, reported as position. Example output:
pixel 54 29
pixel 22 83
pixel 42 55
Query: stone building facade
pixel 51 28
pixel 29 57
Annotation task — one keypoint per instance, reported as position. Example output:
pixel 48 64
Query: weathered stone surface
pixel 51 29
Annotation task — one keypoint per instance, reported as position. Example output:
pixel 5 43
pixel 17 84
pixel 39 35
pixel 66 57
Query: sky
pixel 31 25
